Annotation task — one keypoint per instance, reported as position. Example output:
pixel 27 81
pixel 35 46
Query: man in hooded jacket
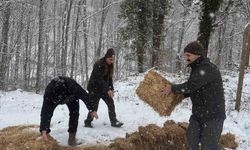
pixel 64 90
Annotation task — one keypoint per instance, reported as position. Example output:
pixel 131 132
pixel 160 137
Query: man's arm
pixel 84 96
pixel 199 78
pixel 46 115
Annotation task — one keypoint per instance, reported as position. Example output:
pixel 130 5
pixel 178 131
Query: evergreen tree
pixel 208 16
pixel 138 14
pixel 160 8
pixel 145 25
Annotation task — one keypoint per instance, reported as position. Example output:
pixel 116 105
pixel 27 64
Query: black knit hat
pixel 194 47
pixel 110 53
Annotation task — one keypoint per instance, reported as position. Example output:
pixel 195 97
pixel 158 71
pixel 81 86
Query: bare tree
pixel 40 45
pixel 74 38
pixel 67 12
pixel 26 62
pixel 245 48
pixel 85 39
pixel 105 3
pixel 19 35
pixel 4 45
pixel 186 5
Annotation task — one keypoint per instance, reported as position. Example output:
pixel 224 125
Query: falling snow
pixel 23 108
pixel 202 72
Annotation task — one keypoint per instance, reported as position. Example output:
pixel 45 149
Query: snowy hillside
pixel 23 108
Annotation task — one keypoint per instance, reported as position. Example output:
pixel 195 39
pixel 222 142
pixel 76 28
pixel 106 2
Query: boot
pixel 117 124
pixel 88 124
pixel 72 139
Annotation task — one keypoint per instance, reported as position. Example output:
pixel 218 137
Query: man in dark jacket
pixel 205 89
pixel 64 90
pixel 101 86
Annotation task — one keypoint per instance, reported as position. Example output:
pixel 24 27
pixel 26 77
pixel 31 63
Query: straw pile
pixel 149 91
pixel 171 136
pixel 152 137
pixel 228 141
pixel 26 138
pixel 23 138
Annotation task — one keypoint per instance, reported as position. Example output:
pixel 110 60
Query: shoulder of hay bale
pixel 150 130
pixel 121 144
pixel 171 127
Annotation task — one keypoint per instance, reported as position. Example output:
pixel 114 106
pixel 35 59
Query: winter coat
pixel 62 90
pixel 205 89
pixel 101 79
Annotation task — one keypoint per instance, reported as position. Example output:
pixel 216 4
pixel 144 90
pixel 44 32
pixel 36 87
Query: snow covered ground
pixel 23 108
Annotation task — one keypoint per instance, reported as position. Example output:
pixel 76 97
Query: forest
pixel 41 39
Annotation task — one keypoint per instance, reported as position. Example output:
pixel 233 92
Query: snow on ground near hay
pixel 23 108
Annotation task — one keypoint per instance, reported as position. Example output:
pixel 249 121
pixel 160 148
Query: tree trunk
pixel 18 47
pixel 231 47
pixel 65 46
pixel 103 17
pixel 55 49
pixel 141 40
pixel 181 34
pixel 85 38
pixel 4 46
pixel 46 61
pixel 40 45
pixel 75 39
pixel 159 10
pixel 26 53
pixel 245 48
pixel 209 8
pixel 219 47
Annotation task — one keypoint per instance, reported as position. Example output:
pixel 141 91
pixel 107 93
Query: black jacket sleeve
pixel 198 78
pixel 85 98
pixel 47 113
pixel 111 86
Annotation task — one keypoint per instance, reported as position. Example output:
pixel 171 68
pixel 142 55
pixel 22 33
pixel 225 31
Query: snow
pixel 23 108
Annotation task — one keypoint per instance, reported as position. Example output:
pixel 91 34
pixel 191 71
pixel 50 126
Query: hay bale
pixel 228 141
pixel 149 91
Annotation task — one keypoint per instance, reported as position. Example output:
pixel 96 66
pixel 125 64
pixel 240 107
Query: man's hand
pixel 94 115
pixel 111 93
pixel 166 91
pixel 44 136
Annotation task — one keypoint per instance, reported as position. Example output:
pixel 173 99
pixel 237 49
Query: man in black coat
pixel 64 90
pixel 101 86
pixel 205 89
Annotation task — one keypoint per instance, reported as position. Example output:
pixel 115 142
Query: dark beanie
pixel 194 47
pixel 110 53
